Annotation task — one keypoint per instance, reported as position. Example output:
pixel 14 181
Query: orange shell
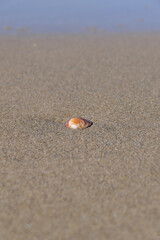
pixel 78 123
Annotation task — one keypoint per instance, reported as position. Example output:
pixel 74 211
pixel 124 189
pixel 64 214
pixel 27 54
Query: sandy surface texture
pixel 98 183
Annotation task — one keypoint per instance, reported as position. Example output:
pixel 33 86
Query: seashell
pixel 78 123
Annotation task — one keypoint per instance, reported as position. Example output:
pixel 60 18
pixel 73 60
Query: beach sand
pixel 102 182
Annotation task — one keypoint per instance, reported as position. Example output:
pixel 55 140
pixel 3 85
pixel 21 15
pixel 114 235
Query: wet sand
pixel 102 182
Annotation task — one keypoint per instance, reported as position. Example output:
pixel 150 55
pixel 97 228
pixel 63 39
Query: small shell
pixel 78 123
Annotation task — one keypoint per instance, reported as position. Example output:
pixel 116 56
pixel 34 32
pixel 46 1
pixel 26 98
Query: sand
pixel 102 182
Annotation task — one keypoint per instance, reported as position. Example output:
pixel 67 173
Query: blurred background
pixel 47 16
